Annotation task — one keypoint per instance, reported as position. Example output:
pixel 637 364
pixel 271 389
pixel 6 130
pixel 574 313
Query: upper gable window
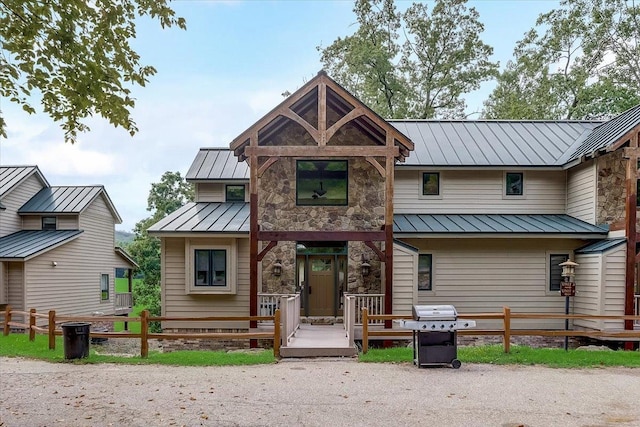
pixel 430 184
pixel 49 223
pixel 514 184
pixel 235 193
pixel 322 182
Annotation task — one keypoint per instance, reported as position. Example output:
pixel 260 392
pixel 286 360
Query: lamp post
pixel 567 289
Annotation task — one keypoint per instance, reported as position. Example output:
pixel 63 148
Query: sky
pixel 214 80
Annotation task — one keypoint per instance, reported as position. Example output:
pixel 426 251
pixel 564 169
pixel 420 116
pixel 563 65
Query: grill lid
pixel 434 312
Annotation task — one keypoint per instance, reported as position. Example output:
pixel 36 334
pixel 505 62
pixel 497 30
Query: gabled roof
pixel 26 244
pixel 501 143
pixel 66 200
pixel 494 224
pixel 608 133
pixel 601 246
pixel 217 164
pixel 125 255
pixel 11 176
pixel 205 217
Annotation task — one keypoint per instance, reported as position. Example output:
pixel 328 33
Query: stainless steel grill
pixel 435 334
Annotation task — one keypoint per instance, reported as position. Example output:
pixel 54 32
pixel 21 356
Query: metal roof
pixel 206 217
pixel 11 176
pixel 601 246
pixel 217 163
pixel 491 142
pixel 66 200
pixel 609 132
pixel 492 224
pixel 26 244
pixel 126 256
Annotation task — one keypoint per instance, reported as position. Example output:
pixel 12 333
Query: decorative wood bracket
pixel 374 248
pixel 272 244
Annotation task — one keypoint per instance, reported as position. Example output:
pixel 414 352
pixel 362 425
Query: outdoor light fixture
pixel 277 268
pixel 568 269
pixel 53 263
pixel 365 266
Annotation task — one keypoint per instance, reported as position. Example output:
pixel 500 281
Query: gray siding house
pixel 57 246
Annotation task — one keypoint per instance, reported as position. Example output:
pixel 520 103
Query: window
pixel 321 182
pixel 48 222
pixel 234 193
pixel 555 271
pixel 425 262
pixel 514 184
pixel 104 287
pixel 210 268
pixel 430 184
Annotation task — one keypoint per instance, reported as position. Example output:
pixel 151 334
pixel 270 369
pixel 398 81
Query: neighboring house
pixel 326 197
pixel 57 246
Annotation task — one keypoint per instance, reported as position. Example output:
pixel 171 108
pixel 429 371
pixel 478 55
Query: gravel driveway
pixel 322 392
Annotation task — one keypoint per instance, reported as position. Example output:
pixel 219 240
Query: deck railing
pixel 290 310
pixel 374 303
pixel 350 317
pixel 269 303
pixel 124 300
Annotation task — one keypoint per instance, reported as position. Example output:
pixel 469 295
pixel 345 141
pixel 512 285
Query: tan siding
pixel 613 265
pixel 177 302
pixel 484 275
pixel 405 270
pixel 10 221
pixel 209 192
pixel 68 222
pixel 581 192
pixel 73 285
pixel 4 282
pixel 480 191
pixel 15 288
pixel 588 299
pixel 31 222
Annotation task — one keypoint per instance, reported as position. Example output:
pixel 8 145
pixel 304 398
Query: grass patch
pixel 520 355
pixel 134 327
pixel 18 345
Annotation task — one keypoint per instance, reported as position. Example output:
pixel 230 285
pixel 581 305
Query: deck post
pixel 365 330
pixel 52 330
pixel 32 324
pixel 507 330
pixel 144 333
pixel 7 319
pixel 276 333
pixel 631 215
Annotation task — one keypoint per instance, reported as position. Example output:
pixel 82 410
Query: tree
pixel 581 60
pixel 75 55
pixel 165 197
pixel 440 59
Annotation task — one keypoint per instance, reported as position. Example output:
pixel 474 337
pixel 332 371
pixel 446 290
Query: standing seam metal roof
pixel 206 216
pixel 601 246
pixel 217 163
pixel 11 176
pixel 27 243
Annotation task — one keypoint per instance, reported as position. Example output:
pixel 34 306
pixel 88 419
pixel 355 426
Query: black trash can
pixel 76 340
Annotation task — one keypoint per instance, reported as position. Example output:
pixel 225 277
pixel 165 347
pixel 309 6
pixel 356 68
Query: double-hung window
pixel 104 287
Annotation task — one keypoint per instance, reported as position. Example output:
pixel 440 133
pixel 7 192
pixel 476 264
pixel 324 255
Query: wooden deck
pixel 318 341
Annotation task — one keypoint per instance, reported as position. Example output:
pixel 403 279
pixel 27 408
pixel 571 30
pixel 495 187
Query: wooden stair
pixel 318 341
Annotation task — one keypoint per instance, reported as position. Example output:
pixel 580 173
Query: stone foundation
pixel 208 344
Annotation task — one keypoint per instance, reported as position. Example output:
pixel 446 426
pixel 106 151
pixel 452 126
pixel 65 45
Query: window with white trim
pixel 104 287
pixel 514 184
pixel 211 268
pixel 430 183
pixel 425 276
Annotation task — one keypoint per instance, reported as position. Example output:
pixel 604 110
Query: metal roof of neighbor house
pixel 11 176
pixel 493 224
pixel 608 133
pixel 126 256
pixel 66 200
pixel 492 142
pixel 217 163
pixel 601 246
pixel 26 244
pixel 205 216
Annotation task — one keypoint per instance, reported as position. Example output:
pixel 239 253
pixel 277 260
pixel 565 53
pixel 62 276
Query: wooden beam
pixel 272 244
pixel 351 115
pixel 629 136
pixel 376 165
pixel 375 249
pixel 322 113
pixel 316 236
pixel 388 228
pixel 266 165
pixel 253 240
pixel 631 214
pixel 313 132
pixel 327 151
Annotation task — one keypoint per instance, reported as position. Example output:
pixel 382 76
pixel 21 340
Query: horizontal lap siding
pixel 484 275
pixel 614 286
pixel 405 265
pixel 73 285
pixel 581 192
pixel 15 285
pixel 31 222
pixel 10 221
pixel 588 299
pixel 480 191
pixel 176 302
pixel 210 192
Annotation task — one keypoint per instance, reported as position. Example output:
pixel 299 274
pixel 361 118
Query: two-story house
pixel 324 197
pixel 57 246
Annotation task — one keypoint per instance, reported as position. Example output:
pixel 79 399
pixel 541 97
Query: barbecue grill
pixel 435 337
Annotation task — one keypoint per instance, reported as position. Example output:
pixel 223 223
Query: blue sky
pixel 214 80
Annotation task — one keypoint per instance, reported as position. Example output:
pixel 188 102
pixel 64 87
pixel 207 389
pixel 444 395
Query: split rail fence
pixel 30 324
pixel 506 331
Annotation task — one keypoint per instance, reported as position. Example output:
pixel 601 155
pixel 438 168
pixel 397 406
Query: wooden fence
pixel 30 323
pixel 506 331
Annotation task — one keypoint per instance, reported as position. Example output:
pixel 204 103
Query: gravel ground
pixel 320 392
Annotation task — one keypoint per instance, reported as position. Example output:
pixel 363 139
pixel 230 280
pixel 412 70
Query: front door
pixel 321 287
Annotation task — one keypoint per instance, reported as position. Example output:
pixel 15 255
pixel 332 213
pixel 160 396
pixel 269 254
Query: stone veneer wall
pixel 277 211
pixel 610 206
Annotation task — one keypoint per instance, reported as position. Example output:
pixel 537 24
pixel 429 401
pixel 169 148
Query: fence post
pixel 276 333
pixel 365 330
pixel 7 319
pixel 144 333
pixel 32 324
pixel 52 330
pixel 507 329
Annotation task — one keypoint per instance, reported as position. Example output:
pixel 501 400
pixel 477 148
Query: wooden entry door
pixel 322 287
